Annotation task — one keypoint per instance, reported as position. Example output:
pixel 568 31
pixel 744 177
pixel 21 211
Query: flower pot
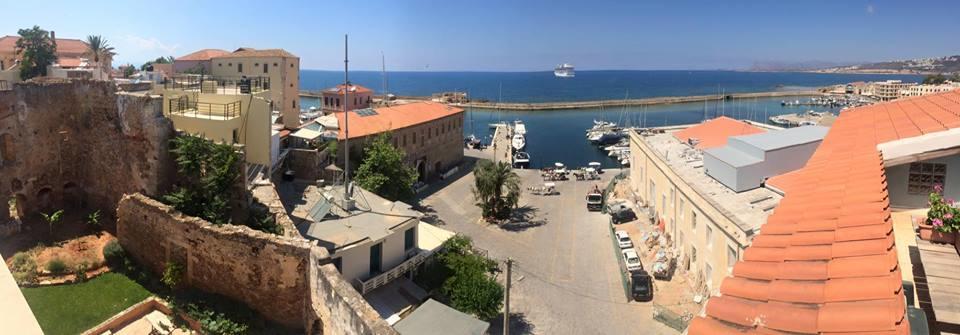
pixel 928 233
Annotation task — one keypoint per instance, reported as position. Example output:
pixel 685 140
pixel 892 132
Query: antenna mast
pixel 383 76
pixel 346 118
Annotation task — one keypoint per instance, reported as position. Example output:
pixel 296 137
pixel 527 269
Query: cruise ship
pixel 564 71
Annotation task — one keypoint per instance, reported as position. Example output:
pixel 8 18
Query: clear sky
pixel 517 35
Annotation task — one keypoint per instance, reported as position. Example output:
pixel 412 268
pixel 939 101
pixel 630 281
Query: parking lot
pixel 566 275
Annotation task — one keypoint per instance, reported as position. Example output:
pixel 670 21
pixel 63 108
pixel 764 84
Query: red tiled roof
pixel 714 133
pixel 825 262
pixel 250 52
pixel 205 54
pixel 68 62
pixel 65 46
pixel 394 117
pixel 353 89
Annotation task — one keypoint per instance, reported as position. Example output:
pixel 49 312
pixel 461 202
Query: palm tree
pixel 496 189
pixel 99 49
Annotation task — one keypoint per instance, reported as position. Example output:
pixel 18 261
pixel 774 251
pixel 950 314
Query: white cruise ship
pixel 564 71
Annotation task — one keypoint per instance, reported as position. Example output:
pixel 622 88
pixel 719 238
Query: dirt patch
pixel 85 249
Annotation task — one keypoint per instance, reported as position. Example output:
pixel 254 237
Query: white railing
pixel 365 286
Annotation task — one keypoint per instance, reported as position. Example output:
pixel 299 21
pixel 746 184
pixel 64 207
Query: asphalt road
pixel 566 277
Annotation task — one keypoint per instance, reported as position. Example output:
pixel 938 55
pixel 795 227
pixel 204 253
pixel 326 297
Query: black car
pixel 641 286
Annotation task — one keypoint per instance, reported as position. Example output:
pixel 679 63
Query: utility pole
pixel 346 119
pixel 506 300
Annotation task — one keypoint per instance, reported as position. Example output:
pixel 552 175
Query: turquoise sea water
pixel 559 135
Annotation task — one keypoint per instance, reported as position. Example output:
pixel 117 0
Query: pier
pixel 604 103
pixel 502 149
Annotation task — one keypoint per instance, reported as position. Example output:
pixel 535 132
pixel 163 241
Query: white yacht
pixel 564 71
pixel 519 128
pixel 521 160
pixel 519 142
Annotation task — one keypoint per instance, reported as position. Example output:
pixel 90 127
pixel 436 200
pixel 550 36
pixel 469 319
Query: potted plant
pixel 943 219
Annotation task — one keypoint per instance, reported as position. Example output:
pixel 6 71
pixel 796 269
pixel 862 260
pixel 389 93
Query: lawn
pixel 75 308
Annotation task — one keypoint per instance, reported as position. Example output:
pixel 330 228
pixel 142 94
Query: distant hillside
pixel 948 64
pixel 793 66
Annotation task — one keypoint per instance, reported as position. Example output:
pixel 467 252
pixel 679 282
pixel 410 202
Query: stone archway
pixel 45 199
pixel 421 170
pixel 21 205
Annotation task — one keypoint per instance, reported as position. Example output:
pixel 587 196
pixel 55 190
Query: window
pixel 376 259
pixel 291 64
pixel 653 195
pixel 693 221
pixel 693 254
pixel 923 176
pixel 673 196
pixel 338 102
pixel 274 64
pixel 414 138
pixel 6 149
pixel 731 258
pixel 708 274
pixel 409 239
pixel 680 239
pixel 680 209
pixel 219 64
pixel 236 136
pixel 229 64
pixel 404 139
pixel 265 68
pixel 294 103
pixel 709 237
pixel 663 202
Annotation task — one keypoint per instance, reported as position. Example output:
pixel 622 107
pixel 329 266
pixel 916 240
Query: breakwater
pixel 530 106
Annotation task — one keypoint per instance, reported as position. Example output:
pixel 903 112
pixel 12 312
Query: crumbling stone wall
pixel 80 144
pixel 287 279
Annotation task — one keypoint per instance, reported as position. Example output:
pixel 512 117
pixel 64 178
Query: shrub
pixel 56 266
pixel 80 274
pixel 114 254
pixel 172 274
pixel 24 268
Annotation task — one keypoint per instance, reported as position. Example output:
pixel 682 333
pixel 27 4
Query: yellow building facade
pixel 281 67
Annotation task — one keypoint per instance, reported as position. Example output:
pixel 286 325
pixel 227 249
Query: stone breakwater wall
pixel 288 280
pixel 80 144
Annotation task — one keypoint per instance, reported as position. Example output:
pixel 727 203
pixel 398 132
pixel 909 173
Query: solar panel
pixel 320 210
pixel 366 112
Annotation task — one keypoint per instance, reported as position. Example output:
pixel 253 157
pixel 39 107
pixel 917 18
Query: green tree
pixel 384 172
pixel 148 66
pixel 470 285
pixel 52 219
pixel 496 189
pixel 935 79
pixel 99 49
pixel 207 172
pixel 128 70
pixel 36 50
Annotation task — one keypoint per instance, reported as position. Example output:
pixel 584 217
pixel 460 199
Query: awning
pixel 307 134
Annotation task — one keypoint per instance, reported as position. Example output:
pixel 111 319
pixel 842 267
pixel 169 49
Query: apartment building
pixel 924 89
pixel 281 67
pixel 355 97
pixel 886 90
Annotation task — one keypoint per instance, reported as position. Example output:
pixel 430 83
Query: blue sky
pixel 493 35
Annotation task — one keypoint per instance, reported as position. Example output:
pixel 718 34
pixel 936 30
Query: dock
pixel 502 149
pixel 631 102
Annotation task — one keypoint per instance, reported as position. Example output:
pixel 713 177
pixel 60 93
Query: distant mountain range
pixel 948 64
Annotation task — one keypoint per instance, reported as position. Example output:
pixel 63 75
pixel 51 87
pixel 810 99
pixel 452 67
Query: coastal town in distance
pixel 496 167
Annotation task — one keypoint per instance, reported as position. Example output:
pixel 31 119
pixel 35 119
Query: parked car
pixel 623 239
pixel 595 200
pixel 620 213
pixel 641 286
pixel 632 260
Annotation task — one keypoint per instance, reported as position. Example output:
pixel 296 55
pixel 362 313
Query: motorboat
pixel 518 142
pixel 521 159
pixel 519 127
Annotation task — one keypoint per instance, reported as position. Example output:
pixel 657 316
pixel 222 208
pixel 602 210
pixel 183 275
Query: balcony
pixel 218 85
pixel 365 286
pixel 205 110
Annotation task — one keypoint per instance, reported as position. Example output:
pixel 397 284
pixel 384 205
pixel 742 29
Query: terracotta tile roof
pixel 825 261
pixel 714 133
pixel 69 62
pixel 250 52
pixel 205 54
pixel 394 117
pixel 353 89
pixel 65 46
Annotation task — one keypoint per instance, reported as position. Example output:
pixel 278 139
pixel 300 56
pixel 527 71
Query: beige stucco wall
pixel 252 125
pixel 11 77
pixel 677 203
pixel 355 260
pixel 284 74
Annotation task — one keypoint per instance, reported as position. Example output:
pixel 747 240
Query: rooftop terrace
pixel 748 209
pixel 336 227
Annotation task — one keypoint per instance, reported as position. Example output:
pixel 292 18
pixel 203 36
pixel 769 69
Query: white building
pixel 924 89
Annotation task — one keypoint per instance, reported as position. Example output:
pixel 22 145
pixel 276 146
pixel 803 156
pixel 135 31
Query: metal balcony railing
pixel 218 84
pixel 185 107
pixel 365 286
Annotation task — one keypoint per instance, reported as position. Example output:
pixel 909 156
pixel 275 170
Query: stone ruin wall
pixel 67 144
pixel 287 280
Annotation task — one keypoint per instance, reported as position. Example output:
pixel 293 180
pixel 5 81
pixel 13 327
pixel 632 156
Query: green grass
pixel 75 308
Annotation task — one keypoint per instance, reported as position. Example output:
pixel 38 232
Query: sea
pixel 559 135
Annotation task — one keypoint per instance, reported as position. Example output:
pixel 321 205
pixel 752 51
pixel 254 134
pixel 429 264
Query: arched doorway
pixel 21 205
pixel 44 199
pixel 421 170
pixel 437 169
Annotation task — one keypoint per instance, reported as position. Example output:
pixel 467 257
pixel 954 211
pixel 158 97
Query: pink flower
pixel 948 216
pixel 951 201
pixel 937 223
pixel 938 188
